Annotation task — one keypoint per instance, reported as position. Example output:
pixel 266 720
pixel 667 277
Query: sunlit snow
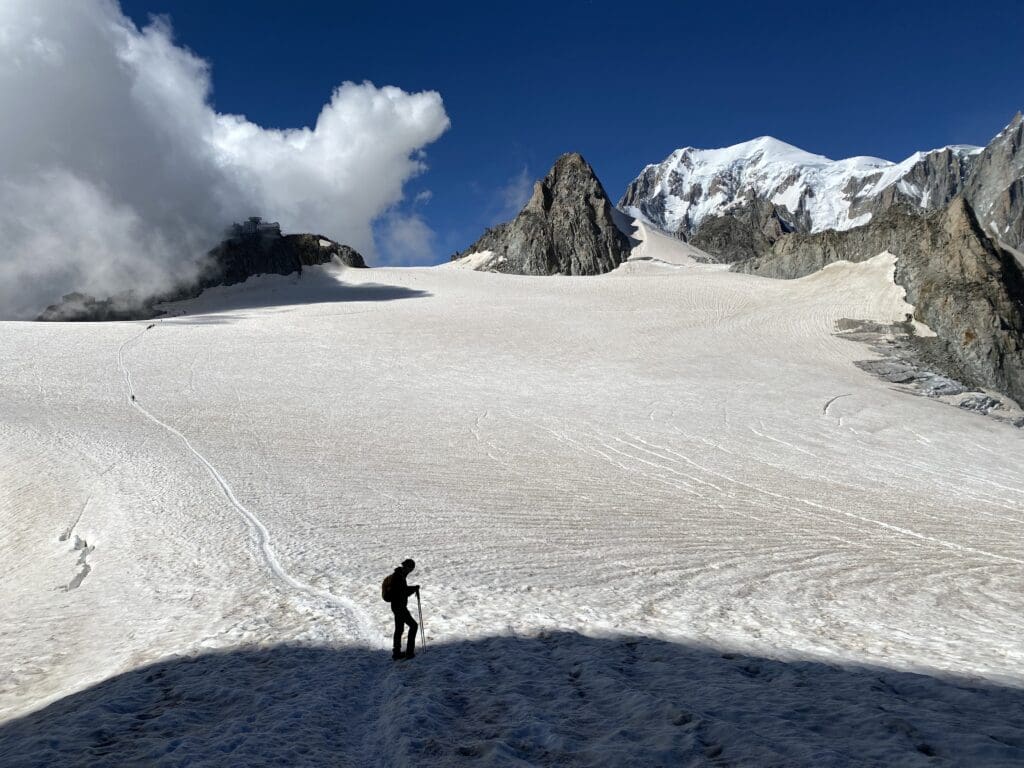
pixel 674 453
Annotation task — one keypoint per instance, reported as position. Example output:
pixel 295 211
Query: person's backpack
pixel 385 588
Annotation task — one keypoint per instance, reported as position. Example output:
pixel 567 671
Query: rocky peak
pixel 567 227
pixel 570 182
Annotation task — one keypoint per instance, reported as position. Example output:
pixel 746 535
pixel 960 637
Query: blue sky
pixel 623 84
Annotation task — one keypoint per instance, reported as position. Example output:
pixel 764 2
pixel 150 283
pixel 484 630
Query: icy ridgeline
pixel 661 517
pixel 734 202
pixel 255 248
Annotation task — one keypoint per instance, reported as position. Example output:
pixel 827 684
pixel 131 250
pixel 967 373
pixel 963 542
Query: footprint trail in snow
pixel 354 618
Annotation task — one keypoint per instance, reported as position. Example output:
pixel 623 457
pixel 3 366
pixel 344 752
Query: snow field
pixel 673 452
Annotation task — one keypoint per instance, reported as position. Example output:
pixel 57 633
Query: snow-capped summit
pixel 776 187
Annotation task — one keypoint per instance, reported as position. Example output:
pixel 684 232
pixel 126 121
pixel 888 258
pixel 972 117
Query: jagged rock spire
pixel 567 227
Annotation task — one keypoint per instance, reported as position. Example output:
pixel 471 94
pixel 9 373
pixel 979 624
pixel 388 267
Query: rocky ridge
pixel 235 260
pixel 567 227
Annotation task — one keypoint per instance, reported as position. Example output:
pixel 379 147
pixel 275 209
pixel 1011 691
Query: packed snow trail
pixel 361 623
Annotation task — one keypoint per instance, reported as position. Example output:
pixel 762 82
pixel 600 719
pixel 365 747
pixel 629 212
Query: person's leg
pixel 399 627
pixel 413 626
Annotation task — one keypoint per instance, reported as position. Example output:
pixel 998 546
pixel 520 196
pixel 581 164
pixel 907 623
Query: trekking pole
pixel 423 627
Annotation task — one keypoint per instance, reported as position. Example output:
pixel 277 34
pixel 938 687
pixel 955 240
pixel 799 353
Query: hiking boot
pixel 397 656
pixel 409 655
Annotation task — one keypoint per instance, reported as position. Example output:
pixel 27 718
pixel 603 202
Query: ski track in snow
pixel 894 528
pixel 360 624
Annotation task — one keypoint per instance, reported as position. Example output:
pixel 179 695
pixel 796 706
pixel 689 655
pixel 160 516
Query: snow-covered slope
pixel 654 247
pixel 660 517
pixel 798 190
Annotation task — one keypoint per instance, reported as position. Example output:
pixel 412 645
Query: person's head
pixel 408 565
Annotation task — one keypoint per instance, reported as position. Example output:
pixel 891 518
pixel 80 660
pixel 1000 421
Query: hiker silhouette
pixel 397 591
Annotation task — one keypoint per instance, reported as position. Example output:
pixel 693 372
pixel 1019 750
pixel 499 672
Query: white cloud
pixel 117 173
pixel 406 240
pixel 514 194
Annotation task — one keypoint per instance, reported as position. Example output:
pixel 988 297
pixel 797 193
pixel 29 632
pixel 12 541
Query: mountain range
pixel 736 201
pixel 953 217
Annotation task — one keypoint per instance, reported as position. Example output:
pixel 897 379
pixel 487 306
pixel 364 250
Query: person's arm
pixel 414 589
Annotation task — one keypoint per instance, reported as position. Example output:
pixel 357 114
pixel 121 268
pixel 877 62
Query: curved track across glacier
pixel 360 625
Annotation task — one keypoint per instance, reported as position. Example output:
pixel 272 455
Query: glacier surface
pixel 660 516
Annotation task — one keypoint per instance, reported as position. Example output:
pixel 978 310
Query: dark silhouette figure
pixel 399 594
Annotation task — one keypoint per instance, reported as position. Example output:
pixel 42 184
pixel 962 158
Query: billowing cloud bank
pixel 115 171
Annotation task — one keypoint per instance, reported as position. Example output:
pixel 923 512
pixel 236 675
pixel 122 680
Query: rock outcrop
pixel 963 285
pixel 748 231
pixel 233 261
pixel 81 307
pixel 567 228
pixel 239 258
pixel 996 187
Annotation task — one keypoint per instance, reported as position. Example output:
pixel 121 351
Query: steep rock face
pixel 927 181
pixel 567 227
pixel 996 188
pixel 748 231
pixel 966 288
pixel 770 188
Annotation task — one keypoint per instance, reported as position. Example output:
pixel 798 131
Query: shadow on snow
pixel 554 699
pixel 313 286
